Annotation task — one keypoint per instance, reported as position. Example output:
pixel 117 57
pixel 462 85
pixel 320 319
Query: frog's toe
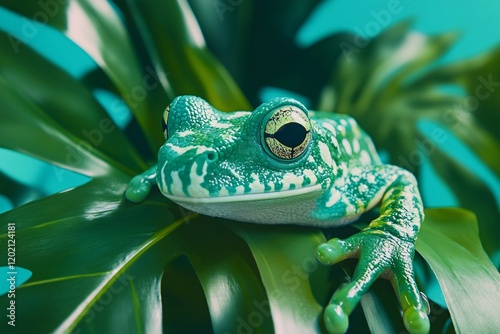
pixel 336 320
pixel 416 321
pixel 336 250
pixel 137 189
pixel 414 304
pixel 347 297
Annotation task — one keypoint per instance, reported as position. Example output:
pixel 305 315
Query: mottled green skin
pixel 218 164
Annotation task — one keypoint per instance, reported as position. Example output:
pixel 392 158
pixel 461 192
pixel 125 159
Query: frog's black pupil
pixel 290 134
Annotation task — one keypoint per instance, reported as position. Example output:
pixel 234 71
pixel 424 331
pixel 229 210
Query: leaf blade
pixel 450 243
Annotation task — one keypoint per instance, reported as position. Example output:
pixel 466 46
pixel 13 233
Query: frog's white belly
pixel 286 207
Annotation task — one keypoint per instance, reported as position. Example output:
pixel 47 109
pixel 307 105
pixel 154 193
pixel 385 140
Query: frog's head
pixel 238 157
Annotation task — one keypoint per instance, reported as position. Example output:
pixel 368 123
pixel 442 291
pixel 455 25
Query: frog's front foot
pixel 379 253
pixel 140 185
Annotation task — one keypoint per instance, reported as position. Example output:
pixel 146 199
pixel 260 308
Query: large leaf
pixel 449 241
pixel 288 266
pixel 32 83
pixel 98 29
pixel 177 47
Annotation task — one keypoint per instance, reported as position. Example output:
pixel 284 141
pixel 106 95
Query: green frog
pixel 284 164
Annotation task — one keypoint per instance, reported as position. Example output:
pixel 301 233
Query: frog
pixel 284 164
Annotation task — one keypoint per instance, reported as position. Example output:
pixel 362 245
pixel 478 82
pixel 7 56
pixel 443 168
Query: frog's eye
pixel 164 122
pixel 287 132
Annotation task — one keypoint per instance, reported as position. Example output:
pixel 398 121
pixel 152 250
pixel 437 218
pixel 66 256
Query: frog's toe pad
pixel 336 250
pixel 416 321
pixel 336 320
pixel 137 190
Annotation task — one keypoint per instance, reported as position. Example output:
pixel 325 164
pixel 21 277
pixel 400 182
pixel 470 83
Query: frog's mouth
pixel 250 197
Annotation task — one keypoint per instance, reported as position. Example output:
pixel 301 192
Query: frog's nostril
pixel 211 156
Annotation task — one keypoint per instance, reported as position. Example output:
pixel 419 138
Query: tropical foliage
pixel 101 264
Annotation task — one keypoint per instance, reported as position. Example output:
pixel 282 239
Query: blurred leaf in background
pixel 101 264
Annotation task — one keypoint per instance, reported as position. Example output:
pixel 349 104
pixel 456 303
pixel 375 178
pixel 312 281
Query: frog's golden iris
pixel 287 133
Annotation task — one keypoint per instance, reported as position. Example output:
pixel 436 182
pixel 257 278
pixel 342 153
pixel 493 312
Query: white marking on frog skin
pixel 335 142
pixel 355 128
pixel 355 146
pixel 310 158
pixel 214 123
pixel 370 178
pixel 362 188
pixel 325 154
pixel 185 133
pixel 341 129
pixel 195 189
pixel 365 158
pixel 335 196
pixel 347 146
pixel 163 186
pixel 356 171
pixel 223 191
pixel 290 178
pixel 271 186
pixel 373 151
pixel 310 174
pixel 339 182
pixel 343 122
pixel 181 150
pixel 350 208
pixel 239 190
pixel 237 114
pixel 256 186
pixel 330 128
pixel 176 186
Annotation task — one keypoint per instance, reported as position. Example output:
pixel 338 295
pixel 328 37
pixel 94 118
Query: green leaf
pixel 47 140
pixel 176 45
pixel 77 251
pixel 450 243
pixel 472 194
pixel 37 91
pixel 97 28
pixel 225 268
pixel 289 269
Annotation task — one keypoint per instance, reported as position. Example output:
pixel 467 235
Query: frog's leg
pixel 384 248
pixel 140 185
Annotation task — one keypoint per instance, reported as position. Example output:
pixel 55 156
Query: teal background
pixel 477 22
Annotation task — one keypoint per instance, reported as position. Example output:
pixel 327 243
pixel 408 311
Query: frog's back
pixel 354 146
